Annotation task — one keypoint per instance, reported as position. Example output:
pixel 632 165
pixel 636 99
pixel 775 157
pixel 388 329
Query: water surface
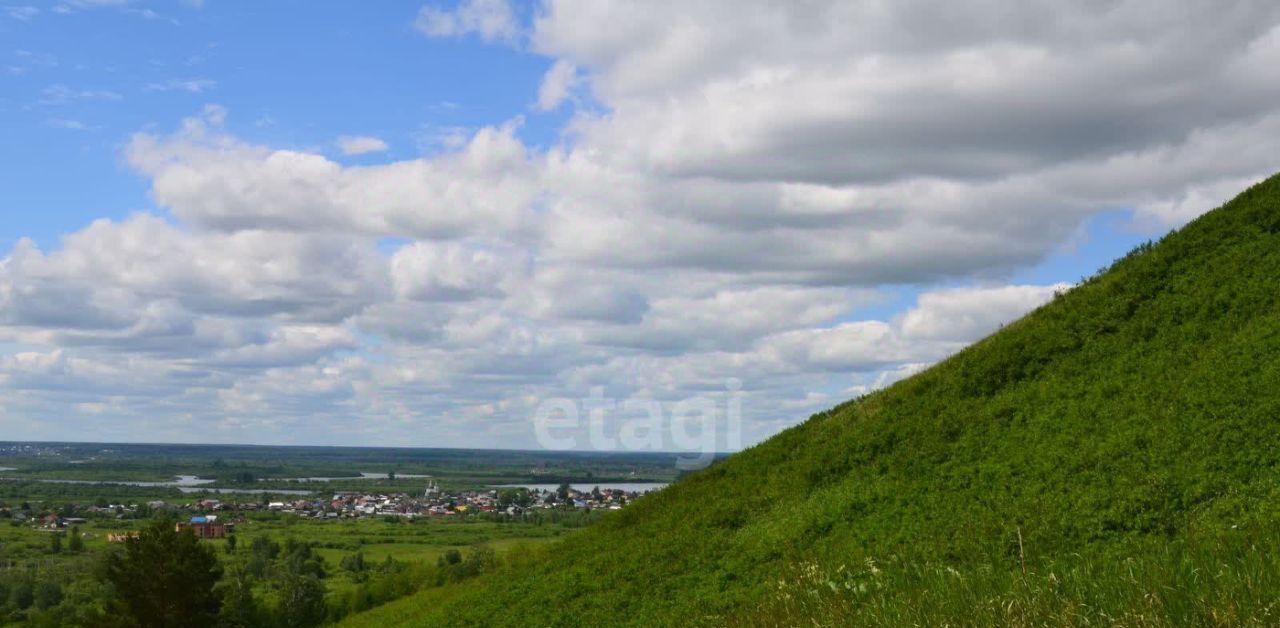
pixel 630 487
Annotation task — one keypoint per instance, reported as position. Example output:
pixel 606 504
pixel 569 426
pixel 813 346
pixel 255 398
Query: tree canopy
pixel 166 578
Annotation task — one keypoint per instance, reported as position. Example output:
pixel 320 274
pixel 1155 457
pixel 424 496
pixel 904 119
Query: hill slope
pixel 1127 432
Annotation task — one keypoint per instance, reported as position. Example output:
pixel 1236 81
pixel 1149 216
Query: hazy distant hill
pixel 1121 442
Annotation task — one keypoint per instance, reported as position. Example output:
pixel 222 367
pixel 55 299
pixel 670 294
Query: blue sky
pixel 295 77
pixel 420 224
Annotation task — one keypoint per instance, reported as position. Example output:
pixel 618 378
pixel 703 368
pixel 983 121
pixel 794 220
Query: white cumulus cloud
pixel 360 145
pixel 736 185
pixel 492 20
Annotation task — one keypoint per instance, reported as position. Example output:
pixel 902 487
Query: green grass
pixel 419 542
pixel 1134 413
pixel 24 541
pixel 407 611
pixel 424 539
pixel 1229 581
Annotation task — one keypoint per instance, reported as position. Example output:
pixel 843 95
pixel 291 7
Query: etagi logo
pixel 697 426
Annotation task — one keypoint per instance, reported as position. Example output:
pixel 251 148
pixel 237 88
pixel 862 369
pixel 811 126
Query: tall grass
pixel 1230 581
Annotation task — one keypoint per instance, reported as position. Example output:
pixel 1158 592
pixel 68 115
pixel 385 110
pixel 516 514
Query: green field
pixel 378 539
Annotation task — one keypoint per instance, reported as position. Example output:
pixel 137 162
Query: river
pixel 630 487
pixel 184 483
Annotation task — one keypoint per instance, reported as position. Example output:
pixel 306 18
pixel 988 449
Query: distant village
pixel 434 502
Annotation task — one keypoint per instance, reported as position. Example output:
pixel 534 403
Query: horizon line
pixel 400 447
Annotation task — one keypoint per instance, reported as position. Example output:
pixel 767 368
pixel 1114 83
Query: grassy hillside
pixel 1111 458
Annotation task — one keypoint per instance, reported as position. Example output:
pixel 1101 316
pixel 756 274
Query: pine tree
pixel 166 578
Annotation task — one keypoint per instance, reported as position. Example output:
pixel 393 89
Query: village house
pixel 205 527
